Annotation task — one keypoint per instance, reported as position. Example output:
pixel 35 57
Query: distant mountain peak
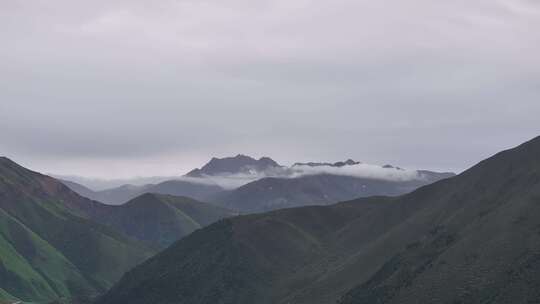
pixel 234 165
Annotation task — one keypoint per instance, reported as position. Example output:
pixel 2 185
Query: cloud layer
pixel 367 171
pixel 360 170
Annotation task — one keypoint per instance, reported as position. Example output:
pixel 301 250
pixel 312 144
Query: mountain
pixel 248 185
pixel 473 238
pixel 120 195
pixel 159 219
pixel 321 189
pixel 48 248
pixel 240 164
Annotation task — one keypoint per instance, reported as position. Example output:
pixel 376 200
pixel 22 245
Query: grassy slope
pixel 34 264
pixel 484 246
pixel 49 251
pixel 219 267
pixel 470 239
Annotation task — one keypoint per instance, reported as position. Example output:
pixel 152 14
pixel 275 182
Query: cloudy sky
pixel 118 88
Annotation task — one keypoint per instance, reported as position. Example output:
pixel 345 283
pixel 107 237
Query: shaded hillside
pixel 321 189
pixel 473 238
pixel 49 250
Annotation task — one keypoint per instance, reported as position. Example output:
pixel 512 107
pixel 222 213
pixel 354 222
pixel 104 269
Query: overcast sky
pixel 119 88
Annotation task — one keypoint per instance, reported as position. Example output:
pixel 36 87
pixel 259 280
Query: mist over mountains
pixel 245 184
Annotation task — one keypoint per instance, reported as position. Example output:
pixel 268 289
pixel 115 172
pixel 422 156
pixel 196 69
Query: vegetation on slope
pixel 469 239
pixel 48 250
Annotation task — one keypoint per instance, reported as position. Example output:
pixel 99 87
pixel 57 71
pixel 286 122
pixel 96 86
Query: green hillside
pixel 49 251
pixel 474 238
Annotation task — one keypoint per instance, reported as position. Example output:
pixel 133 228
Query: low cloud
pixel 367 171
pixel 361 171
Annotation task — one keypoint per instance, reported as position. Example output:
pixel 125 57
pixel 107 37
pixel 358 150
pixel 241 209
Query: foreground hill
pixel 48 248
pixel 321 189
pixel 474 238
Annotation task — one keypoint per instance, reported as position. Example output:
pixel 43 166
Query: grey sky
pixel 123 88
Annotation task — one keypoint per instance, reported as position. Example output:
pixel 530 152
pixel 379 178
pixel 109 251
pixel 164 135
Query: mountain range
pixel 273 193
pixel 263 184
pixel 472 238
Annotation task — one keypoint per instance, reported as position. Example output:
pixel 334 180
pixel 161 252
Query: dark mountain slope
pixel 484 250
pixel 322 189
pixel 474 238
pixel 48 250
